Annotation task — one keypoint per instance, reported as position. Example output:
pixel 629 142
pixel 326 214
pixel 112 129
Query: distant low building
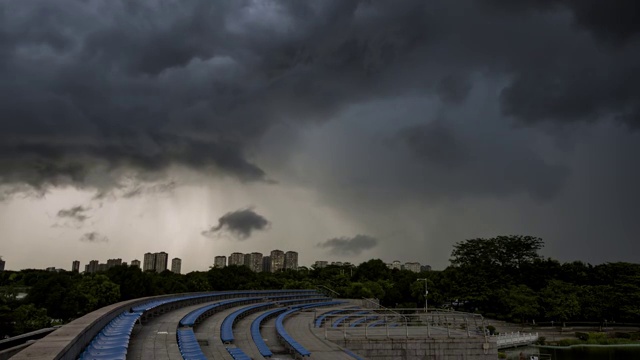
pixel 135 263
pixel 319 264
pixel 113 262
pixel 412 266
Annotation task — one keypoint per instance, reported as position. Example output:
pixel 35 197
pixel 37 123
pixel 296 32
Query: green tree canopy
pixel 502 251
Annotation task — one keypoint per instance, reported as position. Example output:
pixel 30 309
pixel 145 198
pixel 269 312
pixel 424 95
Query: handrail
pixel 333 291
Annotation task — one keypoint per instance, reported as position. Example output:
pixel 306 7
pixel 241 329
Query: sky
pixel 343 130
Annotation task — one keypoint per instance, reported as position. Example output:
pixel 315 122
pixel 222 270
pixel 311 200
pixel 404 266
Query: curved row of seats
pixel 113 340
pixel 284 336
pixel 288 340
pixel 196 316
pixel 321 319
pixel 363 320
pixel 257 336
pixel 188 345
pixel 226 329
pixel 340 320
pixel 237 353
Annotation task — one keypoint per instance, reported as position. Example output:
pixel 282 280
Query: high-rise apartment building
pixel 219 262
pixel 135 263
pixel 266 263
pixel 236 258
pixel 247 260
pixel 162 258
pixel 254 261
pixel 2 263
pixel 176 265
pixel 93 266
pixel 149 262
pixel 155 261
pixel 291 260
pixel 75 266
pixel 277 260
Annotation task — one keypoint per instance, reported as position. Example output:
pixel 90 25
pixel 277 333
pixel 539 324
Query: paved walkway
pixel 156 339
pixel 242 333
pixel 300 326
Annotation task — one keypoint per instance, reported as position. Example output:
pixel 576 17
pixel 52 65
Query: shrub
pixel 541 340
pixel 622 335
pixel 492 329
pixel 582 335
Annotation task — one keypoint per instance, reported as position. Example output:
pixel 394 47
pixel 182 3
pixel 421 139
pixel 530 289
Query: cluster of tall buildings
pixel 276 260
pixel 152 261
pixel 95 266
pixel 158 262
pixel 396 264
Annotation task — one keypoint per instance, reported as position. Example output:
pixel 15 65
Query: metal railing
pixel 506 340
pixel 403 323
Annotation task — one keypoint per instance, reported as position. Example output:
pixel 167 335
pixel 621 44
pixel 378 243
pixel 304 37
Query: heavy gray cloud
pixel 76 213
pixel 240 224
pixel 101 86
pixel 414 108
pixel 94 237
pixel 346 246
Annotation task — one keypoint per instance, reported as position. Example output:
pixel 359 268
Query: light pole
pixel 426 292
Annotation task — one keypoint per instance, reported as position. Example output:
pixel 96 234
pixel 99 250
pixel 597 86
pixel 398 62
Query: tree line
pixel 502 277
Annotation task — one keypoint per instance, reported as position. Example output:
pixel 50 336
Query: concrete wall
pixel 414 349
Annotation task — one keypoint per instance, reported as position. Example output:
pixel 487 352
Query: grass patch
pixel 595 339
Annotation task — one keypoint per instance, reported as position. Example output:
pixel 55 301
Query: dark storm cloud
pixel 453 88
pixel 239 223
pixel 94 237
pixel 76 213
pixel 434 142
pixel 613 20
pixel 93 88
pixel 349 246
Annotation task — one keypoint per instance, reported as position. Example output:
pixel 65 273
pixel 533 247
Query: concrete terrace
pixel 155 337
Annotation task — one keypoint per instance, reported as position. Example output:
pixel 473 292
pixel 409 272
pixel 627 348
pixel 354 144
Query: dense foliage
pixel 502 277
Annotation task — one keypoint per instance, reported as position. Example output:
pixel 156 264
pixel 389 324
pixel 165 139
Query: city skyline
pixel 342 129
pixel 176 263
